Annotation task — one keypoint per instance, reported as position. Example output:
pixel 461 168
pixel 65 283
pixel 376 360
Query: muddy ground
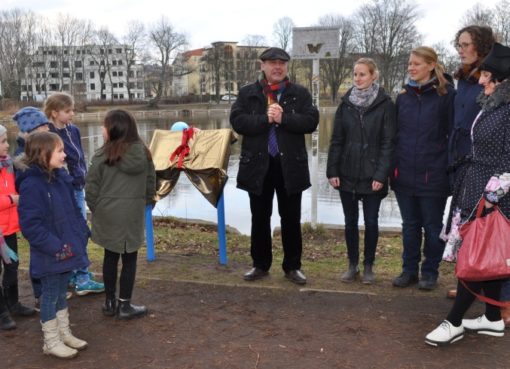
pixel 258 326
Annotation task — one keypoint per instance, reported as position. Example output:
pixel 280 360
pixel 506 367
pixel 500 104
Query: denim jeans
pixel 53 299
pixel 421 213
pixel 81 275
pixel 371 204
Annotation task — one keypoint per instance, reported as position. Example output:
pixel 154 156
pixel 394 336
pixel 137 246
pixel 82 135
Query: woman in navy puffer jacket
pixel 420 179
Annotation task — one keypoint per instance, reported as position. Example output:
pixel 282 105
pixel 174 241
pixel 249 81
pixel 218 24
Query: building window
pixel 131 74
pixel 115 85
pixel 120 62
pixel 91 63
pixel 115 96
pixel 118 51
pixel 121 96
pixel 78 52
pixel 131 85
pixel 53 64
pixel 54 87
pixel 65 87
pixel 92 86
pixel 65 74
pixel 79 76
pixel 121 74
pixel 114 62
pixel 101 51
pixel 101 75
pixel 121 85
pixel 114 73
pixel 77 63
pixel 139 85
pixel 54 75
pixel 92 75
pixel 65 64
pixel 109 51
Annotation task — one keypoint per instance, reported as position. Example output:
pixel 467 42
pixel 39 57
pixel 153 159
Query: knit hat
pixel 29 118
pixel 497 62
pixel 2 130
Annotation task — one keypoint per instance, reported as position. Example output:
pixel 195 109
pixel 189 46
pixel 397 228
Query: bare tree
pixel 448 58
pixel 501 21
pixel 282 32
pixel 386 32
pixel 335 70
pixel 168 42
pixel 133 44
pixel 479 15
pixel 104 54
pixel 16 42
pixel 254 40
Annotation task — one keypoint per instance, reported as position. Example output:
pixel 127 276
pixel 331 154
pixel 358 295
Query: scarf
pixel 469 72
pixel 5 162
pixel 419 88
pixel 272 91
pixel 364 98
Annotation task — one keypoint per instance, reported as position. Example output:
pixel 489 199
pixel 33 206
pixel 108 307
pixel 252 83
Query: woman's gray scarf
pixel 364 98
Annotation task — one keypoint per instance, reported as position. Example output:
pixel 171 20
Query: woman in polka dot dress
pixel 487 174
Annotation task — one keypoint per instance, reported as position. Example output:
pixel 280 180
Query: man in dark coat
pixel 273 115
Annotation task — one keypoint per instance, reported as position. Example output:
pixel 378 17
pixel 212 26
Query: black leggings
pixel 464 299
pixel 10 277
pixel 127 274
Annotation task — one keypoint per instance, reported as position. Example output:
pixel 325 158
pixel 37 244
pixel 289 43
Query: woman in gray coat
pixel 120 183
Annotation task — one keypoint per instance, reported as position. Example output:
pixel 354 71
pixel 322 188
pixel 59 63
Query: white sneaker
pixel 445 334
pixel 482 325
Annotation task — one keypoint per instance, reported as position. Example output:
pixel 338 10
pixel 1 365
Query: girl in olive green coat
pixel 121 181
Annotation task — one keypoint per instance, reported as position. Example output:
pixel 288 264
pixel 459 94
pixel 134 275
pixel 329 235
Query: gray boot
pixel 368 274
pixel 350 275
pixel 53 345
pixel 65 331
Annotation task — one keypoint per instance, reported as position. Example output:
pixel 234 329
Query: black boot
pixel 12 301
pixel 127 311
pixel 110 306
pixel 6 322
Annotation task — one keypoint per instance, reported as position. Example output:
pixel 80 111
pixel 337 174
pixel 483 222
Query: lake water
pixel 187 203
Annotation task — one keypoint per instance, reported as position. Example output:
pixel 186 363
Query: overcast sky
pixel 206 21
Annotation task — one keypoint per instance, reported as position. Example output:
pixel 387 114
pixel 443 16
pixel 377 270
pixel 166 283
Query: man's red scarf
pixel 272 91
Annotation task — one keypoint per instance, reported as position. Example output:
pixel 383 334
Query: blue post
pixel 222 240
pixel 149 231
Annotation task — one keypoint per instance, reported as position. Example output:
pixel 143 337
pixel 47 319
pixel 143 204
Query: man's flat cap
pixel 274 53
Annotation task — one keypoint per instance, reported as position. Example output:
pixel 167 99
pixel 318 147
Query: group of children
pixel 44 197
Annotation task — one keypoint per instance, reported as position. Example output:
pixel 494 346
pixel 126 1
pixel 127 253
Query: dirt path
pixel 196 325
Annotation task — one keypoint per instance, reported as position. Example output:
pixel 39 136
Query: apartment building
pixel 89 72
pixel 224 68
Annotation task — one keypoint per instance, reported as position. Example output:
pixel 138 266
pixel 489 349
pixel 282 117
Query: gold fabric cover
pixel 205 165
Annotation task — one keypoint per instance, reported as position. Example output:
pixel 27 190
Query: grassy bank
pixel 189 252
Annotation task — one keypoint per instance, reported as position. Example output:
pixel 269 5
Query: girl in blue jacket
pixel 57 233
pixel 420 179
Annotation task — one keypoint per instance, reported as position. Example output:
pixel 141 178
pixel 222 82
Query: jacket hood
pixel 134 160
pixel 500 96
pixel 23 171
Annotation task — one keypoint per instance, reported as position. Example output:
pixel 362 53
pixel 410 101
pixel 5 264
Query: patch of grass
pixel 189 251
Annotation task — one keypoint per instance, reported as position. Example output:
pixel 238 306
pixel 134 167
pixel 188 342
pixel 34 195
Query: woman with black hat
pixel 486 174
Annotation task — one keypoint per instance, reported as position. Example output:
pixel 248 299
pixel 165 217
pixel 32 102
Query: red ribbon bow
pixel 183 149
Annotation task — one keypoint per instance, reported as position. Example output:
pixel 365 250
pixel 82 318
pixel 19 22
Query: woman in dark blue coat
pixel 473 44
pixel 420 179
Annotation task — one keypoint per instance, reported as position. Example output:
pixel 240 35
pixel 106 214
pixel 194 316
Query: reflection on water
pixel 186 202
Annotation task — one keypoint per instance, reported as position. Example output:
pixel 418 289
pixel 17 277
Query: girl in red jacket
pixel 9 303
